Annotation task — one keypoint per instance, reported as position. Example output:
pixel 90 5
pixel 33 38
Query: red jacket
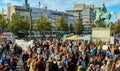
pixel 1 67
pixel 39 66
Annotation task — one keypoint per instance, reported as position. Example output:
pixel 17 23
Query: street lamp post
pixel 8 14
pixel 39 15
pixel 39 4
pixel 30 10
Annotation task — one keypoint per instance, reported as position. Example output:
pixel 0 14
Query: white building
pixel 35 13
pixel 85 13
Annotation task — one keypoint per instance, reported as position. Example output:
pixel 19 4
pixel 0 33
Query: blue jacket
pixel 3 59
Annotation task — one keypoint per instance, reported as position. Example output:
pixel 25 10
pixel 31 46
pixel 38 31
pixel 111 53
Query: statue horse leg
pixel 109 22
pixel 96 23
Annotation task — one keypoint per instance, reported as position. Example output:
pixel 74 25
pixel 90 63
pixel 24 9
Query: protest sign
pixel 24 44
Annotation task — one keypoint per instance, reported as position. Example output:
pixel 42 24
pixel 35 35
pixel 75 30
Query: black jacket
pixel 25 57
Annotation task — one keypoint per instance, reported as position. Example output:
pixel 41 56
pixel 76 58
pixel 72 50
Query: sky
pixel 62 5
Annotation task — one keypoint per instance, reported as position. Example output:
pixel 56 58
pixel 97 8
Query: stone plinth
pixel 101 33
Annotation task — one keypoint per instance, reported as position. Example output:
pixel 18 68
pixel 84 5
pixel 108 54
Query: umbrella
pixel 85 37
pixel 73 37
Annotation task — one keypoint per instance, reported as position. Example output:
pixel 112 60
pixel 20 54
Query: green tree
pixel 78 25
pixel 3 23
pixel 116 27
pixel 19 23
pixel 25 21
pixel 61 25
pixel 43 24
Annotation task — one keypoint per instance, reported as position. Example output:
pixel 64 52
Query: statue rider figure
pixel 104 9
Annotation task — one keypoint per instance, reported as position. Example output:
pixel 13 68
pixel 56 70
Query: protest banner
pixel 24 44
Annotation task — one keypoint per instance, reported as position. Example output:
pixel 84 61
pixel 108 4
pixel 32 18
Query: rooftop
pixel 41 9
pixel 73 10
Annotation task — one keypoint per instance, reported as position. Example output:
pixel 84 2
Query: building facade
pixel 35 13
pixel 85 13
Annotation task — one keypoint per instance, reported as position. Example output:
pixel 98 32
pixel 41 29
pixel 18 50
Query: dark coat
pixel 117 69
pixel 54 67
pixel 61 69
pixel 25 57
pixel 48 66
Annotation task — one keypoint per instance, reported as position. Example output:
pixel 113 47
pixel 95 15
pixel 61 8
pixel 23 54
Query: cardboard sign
pixel 111 40
pixel 105 47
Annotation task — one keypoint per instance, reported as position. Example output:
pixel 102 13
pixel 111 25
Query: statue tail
pixel 113 14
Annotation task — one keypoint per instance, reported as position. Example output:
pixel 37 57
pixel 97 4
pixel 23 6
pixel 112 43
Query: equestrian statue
pixel 102 15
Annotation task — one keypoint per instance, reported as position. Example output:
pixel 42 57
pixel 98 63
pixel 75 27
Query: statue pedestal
pixel 101 33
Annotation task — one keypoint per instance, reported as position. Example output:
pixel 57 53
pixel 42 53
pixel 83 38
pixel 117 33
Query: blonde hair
pixel 60 63
pixel 40 57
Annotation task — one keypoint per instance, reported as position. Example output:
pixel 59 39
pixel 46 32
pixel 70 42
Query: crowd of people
pixel 56 55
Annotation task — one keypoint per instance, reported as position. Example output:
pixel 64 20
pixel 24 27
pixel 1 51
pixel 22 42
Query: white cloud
pixel 12 2
pixel 68 4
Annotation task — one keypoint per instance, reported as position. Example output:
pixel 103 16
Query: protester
pixel 49 64
pixel 39 65
pixel 29 61
pixel 32 64
pixel 3 59
pixel 57 55
pixel 61 66
pixel 54 65
pixel 25 57
pixel 104 66
pixel 13 62
pixel 116 64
